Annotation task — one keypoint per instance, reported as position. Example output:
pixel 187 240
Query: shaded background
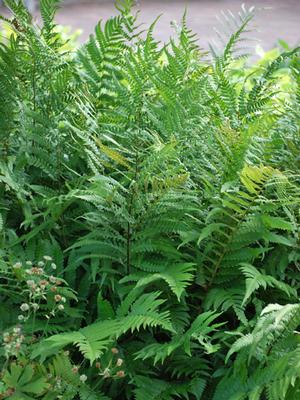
pixel 276 19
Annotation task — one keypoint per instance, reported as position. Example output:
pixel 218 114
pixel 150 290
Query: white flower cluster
pixel 13 341
pixel 39 286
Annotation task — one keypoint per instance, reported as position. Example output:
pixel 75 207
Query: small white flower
pixel 61 307
pixel 30 282
pixel 41 263
pixel 28 271
pixel 83 378
pixel 35 306
pixel 17 330
pixel 53 265
pixel 119 362
pixel 63 299
pixel 17 265
pixel 47 258
pixel 52 279
pixel 28 262
pixel 21 317
pixel 24 307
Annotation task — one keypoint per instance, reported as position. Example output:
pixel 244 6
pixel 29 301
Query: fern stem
pixel 128 247
pixel 34 86
pixel 128 234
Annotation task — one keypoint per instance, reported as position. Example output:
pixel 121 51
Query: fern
pixel 199 330
pixel 274 328
pixel 96 338
pixel 164 184
pixel 255 279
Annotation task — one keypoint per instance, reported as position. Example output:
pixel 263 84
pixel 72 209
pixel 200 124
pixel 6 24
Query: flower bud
pixel 83 378
pixel 57 297
pixel 114 350
pixel 119 362
pixel 43 283
pixel 24 307
pixel 37 271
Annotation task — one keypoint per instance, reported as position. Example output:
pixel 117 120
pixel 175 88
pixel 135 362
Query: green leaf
pixel 23 380
pixel 277 223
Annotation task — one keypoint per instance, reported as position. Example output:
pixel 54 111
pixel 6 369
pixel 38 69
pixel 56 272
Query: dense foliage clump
pixel 149 215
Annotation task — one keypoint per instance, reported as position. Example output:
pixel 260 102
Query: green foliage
pixel 24 382
pixel 267 357
pixel 149 214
